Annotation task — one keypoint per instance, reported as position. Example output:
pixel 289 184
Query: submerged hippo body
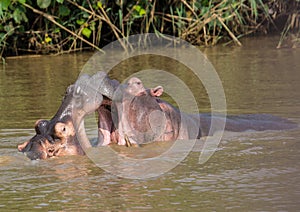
pixel 143 117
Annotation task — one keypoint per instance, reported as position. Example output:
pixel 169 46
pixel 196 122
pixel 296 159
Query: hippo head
pixel 137 112
pixel 61 142
pixel 57 142
pixel 60 135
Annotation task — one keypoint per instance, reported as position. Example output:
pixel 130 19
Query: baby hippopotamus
pixel 62 142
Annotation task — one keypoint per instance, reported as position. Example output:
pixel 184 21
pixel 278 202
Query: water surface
pixel 249 171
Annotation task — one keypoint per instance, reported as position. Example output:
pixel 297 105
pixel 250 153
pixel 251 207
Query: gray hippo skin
pixel 60 136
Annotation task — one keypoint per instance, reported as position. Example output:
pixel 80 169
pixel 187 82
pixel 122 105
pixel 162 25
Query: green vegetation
pixel 58 26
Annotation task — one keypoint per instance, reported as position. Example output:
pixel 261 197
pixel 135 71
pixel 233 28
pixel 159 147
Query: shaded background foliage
pixel 59 26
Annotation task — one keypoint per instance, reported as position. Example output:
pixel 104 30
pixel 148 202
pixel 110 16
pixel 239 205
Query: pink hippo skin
pixel 142 117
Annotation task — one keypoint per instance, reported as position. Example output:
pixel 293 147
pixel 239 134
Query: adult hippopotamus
pixel 141 117
pixel 60 135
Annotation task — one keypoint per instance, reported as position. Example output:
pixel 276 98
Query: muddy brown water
pixel 251 171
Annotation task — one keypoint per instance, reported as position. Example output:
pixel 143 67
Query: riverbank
pixel 64 26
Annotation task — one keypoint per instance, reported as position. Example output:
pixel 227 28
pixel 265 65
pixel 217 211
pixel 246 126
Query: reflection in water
pixel 35 85
pixel 250 170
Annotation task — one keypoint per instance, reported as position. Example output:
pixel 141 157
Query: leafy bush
pixel 58 26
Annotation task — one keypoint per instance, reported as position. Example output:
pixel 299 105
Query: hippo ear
pixel 21 147
pixel 64 130
pixel 158 91
pixel 41 126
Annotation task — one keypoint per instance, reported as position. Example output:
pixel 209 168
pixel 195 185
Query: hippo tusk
pixel 127 141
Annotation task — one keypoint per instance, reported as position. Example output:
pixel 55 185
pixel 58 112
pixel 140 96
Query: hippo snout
pixel 37 147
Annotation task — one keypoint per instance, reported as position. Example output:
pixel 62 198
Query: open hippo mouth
pixel 60 136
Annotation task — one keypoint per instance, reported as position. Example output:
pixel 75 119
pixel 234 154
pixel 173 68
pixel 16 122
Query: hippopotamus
pixel 128 114
pixel 60 136
pixel 141 117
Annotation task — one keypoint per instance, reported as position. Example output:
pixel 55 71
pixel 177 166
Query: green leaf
pixel 99 4
pixel 21 29
pixel 17 15
pixel 43 3
pixel 22 1
pixel 4 4
pixel 142 12
pixel 63 10
pixel 92 26
pixel 24 17
pixel 9 29
pixel 80 21
pixel 86 32
pixel 139 10
pixel 56 30
pixel 2 36
pixel 86 15
pixel 60 1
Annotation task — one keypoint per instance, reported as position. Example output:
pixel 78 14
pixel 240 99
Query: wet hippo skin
pixel 144 117
pixel 60 136
pixel 128 114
